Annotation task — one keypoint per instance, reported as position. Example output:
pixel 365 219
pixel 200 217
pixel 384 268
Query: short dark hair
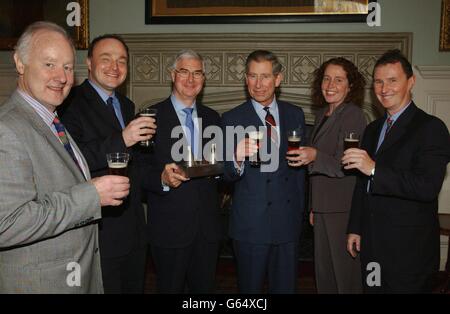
pixel 106 36
pixel 356 82
pixel 264 55
pixel 394 56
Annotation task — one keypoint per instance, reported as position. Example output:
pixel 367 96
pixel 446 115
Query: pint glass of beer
pixel 255 160
pixel 294 139
pixel 148 112
pixel 351 140
pixel 118 163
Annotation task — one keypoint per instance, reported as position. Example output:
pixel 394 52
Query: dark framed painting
pixel 444 42
pixel 16 15
pixel 254 11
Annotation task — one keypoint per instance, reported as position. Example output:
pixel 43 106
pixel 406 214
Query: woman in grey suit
pixel 339 87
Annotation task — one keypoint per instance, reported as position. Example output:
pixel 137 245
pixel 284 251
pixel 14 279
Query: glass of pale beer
pixel 118 164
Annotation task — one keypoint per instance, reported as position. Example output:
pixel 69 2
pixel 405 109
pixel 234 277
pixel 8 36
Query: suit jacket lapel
pixel 127 112
pixel 39 125
pixel 331 120
pixel 171 121
pixel 98 105
pixel 398 129
pixel 282 128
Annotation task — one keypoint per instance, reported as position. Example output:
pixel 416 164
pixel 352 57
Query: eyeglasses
pixel 262 77
pixel 184 73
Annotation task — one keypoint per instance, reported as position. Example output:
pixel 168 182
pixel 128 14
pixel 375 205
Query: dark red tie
pixel 271 126
pixel 389 123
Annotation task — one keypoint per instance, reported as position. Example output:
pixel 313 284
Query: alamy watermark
pixel 74 17
pixel 73 279
pixel 374 16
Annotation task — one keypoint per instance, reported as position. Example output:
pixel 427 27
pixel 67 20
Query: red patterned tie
pixel 389 123
pixel 271 126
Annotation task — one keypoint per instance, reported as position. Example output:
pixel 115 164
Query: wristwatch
pixel 372 173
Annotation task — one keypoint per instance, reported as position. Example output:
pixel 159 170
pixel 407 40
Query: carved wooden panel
pixel 153 54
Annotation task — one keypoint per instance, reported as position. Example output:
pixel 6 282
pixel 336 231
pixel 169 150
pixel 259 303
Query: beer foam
pixel 117 165
pixel 351 140
pixel 147 114
pixel 256 135
pixel 294 139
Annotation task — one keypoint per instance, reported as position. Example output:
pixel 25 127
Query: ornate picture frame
pixel 254 11
pixel 16 15
pixel 444 42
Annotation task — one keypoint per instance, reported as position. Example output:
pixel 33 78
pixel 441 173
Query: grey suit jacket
pixel 47 210
pixel 332 187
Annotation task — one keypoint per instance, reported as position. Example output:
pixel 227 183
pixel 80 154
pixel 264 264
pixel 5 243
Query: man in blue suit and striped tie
pixel 268 201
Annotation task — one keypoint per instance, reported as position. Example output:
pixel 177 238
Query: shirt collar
pixel 260 108
pixel 179 106
pixel 103 95
pixel 40 109
pixel 395 116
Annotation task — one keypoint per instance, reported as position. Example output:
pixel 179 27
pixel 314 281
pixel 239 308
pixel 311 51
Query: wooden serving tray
pixel 202 169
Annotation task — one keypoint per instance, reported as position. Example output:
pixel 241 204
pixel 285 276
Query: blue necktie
pixel 111 108
pixel 190 125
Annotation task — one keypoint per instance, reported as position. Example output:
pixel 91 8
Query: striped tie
pixel 389 123
pixel 65 140
pixel 271 126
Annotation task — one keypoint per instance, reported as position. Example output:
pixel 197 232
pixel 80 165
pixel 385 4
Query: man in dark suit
pixel 101 121
pixel 183 217
pixel 268 201
pixel 403 159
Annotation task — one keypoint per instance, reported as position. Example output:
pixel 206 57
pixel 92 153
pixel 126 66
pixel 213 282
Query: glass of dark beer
pixel 351 140
pixel 294 139
pixel 118 163
pixel 255 160
pixel 148 112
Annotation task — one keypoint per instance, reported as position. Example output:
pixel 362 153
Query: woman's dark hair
pixel 356 82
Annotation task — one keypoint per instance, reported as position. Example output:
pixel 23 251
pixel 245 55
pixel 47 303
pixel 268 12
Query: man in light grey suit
pixel 48 207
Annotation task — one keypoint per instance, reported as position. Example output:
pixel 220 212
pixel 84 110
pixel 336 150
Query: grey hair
pixel 264 55
pixel 22 47
pixel 188 54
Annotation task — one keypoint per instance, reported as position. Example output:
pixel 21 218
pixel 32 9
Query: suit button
pixel 269 181
pixel 289 201
pixel 287 179
pixel 269 204
pixel 96 251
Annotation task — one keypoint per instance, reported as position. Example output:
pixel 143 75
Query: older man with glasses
pixel 183 216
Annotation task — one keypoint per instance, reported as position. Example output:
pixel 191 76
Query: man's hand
pixel 140 129
pixel 173 176
pixel 246 148
pixel 112 189
pixel 355 158
pixel 311 218
pixel 353 242
pixel 301 156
